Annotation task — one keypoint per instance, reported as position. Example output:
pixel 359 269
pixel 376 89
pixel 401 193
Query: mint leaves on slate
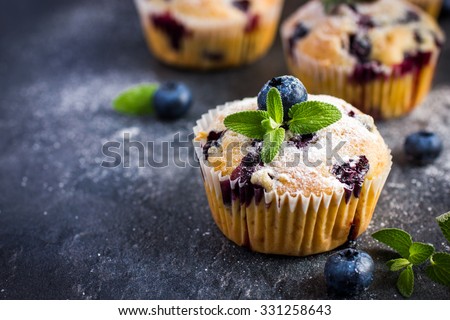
pixel 416 253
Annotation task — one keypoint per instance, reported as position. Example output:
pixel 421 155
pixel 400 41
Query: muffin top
pixel 338 157
pixel 385 31
pixel 198 13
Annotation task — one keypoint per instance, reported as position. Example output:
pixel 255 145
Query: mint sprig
pixel 416 253
pixel 136 100
pixel 305 117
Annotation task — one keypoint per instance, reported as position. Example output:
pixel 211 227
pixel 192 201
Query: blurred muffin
pixel 303 202
pixel 432 7
pixel 207 34
pixel 378 55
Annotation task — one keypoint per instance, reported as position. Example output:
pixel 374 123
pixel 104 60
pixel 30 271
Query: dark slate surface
pixel 70 229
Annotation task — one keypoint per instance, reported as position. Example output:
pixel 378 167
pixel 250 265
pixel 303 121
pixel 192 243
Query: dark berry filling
pixel 243 189
pixel 302 141
pixel 213 140
pixel 360 47
pixel 252 23
pixel 351 114
pixel 410 16
pixel 243 5
pixel 174 29
pixel 300 32
pixel 418 37
pixel 369 71
pixel 366 21
pixel 352 174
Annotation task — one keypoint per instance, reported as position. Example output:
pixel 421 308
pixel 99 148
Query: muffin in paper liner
pixel 432 7
pixel 379 56
pixel 204 34
pixel 388 95
pixel 286 224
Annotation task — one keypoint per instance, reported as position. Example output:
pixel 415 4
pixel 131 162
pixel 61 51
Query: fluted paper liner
pixel 290 225
pixel 230 43
pixel 388 96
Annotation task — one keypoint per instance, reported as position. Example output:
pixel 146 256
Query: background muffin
pixel 380 55
pixel 304 201
pixel 209 34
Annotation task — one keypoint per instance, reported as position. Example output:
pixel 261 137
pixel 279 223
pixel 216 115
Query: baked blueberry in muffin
pixel 379 55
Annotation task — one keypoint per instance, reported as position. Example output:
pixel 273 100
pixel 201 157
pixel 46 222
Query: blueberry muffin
pixel 205 34
pixel 319 191
pixel 378 55
pixel 432 7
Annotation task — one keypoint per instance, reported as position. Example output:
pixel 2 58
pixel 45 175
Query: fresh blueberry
pixel 423 147
pixel 300 31
pixel 172 100
pixel 348 272
pixel 291 89
pixel 360 47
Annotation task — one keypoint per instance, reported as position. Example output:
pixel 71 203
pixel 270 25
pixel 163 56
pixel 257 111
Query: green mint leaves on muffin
pixel 305 117
pixel 416 253
pixel 310 115
pixel 136 100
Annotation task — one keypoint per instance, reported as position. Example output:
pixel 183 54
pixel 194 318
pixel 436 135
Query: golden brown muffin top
pixel 382 30
pixel 306 169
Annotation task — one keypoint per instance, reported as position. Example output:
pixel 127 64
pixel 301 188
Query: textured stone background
pixel 70 229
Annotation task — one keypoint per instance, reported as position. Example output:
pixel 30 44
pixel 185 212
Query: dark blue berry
pixel 409 17
pixel 243 5
pixel 213 140
pixel 360 47
pixel 174 29
pixel 423 147
pixel 172 100
pixel 300 31
pixel 348 272
pixel 352 175
pixel 291 89
pixel 302 141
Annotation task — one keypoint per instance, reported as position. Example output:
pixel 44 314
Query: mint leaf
pixel 247 123
pixel 271 145
pixel 444 224
pixel 269 124
pixel 420 252
pixel 311 116
pixel 397 239
pixel 405 282
pixel 398 264
pixel 439 270
pixel 275 105
pixel 136 100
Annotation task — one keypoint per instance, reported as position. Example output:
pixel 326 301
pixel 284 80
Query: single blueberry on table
pixel 291 89
pixel 423 147
pixel 172 100
pixel 348 272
